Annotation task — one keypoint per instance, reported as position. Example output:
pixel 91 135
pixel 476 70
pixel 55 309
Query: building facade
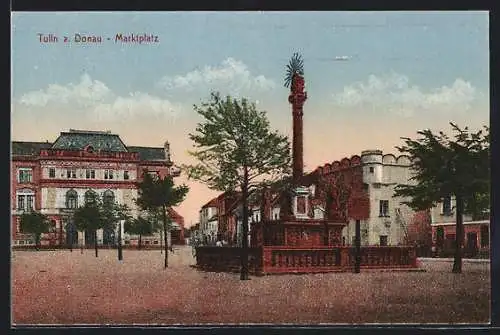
pixel 56 178
pixel 209 222
pixel 370 197
pixel 476 236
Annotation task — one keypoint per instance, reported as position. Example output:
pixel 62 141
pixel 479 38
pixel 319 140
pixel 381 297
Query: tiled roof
pixel 148 154
pixel 211 203
pixel 29 148
pixel 174 215
pixel 79 139
pixel 99 140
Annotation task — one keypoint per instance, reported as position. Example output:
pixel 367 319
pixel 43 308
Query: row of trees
pixel 156 196
pixel 91 217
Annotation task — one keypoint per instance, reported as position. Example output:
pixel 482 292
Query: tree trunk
pixel 120 249
pixel 165 237
pixel 459 235
pixel 161 241
pixel 357 248
pixel 140 241
pixel 95 242
pixel 244 227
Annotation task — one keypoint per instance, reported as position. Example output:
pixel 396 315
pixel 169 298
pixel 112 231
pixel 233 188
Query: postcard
pixel 250 168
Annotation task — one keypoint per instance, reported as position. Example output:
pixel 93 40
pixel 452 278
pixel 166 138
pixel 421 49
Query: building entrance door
pixel 89 237
pixel 71 234
pixel 108 237
pixel 472 244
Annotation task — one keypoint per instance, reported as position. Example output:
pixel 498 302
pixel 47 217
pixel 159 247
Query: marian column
pixel 297 98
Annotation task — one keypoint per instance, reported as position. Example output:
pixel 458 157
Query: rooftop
pixel 80 139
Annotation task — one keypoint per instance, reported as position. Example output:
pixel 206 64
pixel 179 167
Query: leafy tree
pixel 35 223
pixel 89 217
pixel 236 149
pixel 160 193
pixel 139 226
pixel 445 166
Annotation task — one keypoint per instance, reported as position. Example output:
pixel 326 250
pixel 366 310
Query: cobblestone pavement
pixel 64 287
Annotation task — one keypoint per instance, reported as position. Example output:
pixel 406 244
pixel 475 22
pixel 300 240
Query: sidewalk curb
pixel 450 260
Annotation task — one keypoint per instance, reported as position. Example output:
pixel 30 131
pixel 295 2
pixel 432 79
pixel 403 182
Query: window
pixel 485 236
pixel 20 202
pixel 90 174
pixel 384 208
pixel 29 202
pixel 383 240
pixel 71 199
pixel 52 172
pixel 446 206
pixel 365 187
pixel 25 176
pixel 25 200
pixel 108 174
pixel 52 228
pixel 371 169
pixel 71 173
pixel 153 174
pixel 125 175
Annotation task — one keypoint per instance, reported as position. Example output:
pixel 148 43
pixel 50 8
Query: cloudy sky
pixel 371 77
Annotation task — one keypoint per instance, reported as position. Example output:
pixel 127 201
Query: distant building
pixel 476 229
pixel 209 222
pixel 56 178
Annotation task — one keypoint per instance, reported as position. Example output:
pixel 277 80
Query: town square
pixel 342 176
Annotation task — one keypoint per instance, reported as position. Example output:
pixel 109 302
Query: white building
pixel 389 217
pixel 209 222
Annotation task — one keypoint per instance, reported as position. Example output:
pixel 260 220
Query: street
pixel 64 287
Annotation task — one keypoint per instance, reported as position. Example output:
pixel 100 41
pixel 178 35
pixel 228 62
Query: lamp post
pixel 120 251
pixel 161 241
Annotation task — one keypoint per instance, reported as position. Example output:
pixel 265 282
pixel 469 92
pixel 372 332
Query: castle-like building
pixel 55 179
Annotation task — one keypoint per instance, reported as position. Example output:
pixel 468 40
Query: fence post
pixel 357 248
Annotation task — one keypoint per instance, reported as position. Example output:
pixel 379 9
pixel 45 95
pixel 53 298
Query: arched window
pixel 90 197
pixel 71 199
pixel 108 197
pixel 53 225
pixel 25 200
